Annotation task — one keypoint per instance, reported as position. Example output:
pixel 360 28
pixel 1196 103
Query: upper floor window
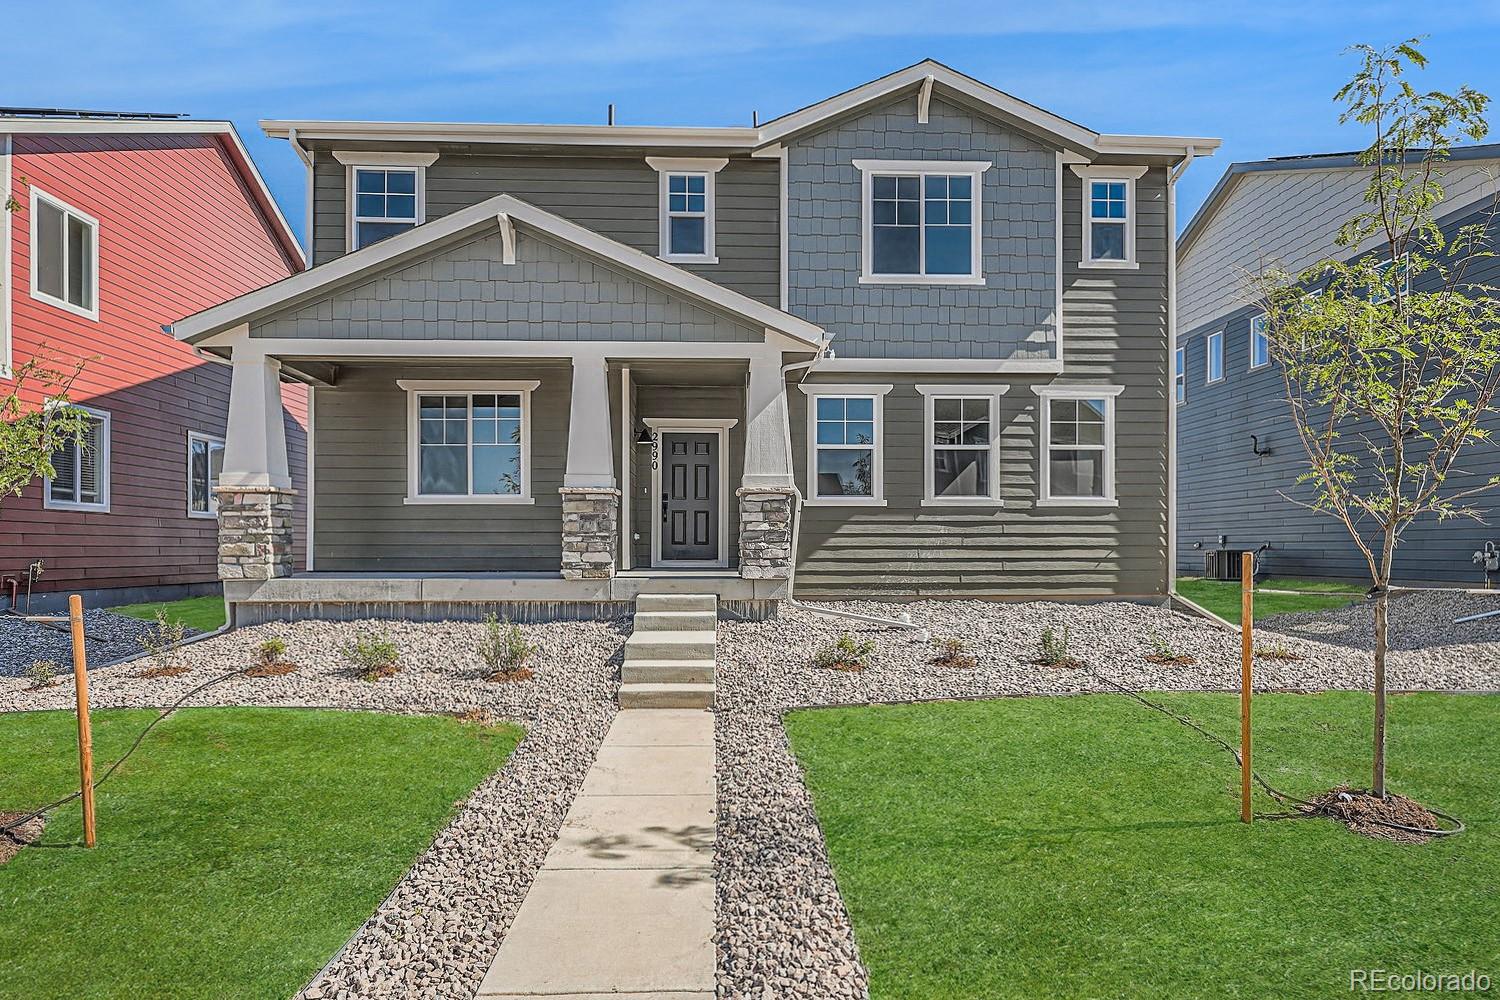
pixel 1394 276
pixel 922 221
pixel 64 256
pixel 1214 351
pixel 961 457
pixel 1260 343
pixel 1179 375
pixel 845 461
pixel 387 194
pixel 469 442
pixel 80 479
pixel 686 208
pixel 1108 215
pixel 205 460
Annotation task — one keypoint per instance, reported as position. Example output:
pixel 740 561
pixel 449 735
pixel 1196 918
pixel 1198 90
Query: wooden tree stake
pixel 1247 660
pixel 85 737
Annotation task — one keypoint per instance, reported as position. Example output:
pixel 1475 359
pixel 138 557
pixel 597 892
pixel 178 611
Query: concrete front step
pixel 667 672
pixel 639 695
pixel 670 645
pixel 676 602
pixel 676 621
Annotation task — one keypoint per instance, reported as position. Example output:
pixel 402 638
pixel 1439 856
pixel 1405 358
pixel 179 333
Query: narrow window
pixel 922 223
pixel 687 215
pixel 472 444
pixel 1260 344
pixel 80 478
pixel 845 461
pixel 64 256
pixel 1394 276
pixel 1109 215
pixel 1078 446
pixel 1179 375
pixel 205 461
pixel 385 203
pixel 1214 366
pixel 961 443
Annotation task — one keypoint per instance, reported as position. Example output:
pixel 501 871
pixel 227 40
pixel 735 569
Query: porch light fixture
pixel 645 436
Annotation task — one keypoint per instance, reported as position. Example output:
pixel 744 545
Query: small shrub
pixel 43 674
pixel 1053 649
pixel 478 716
pixel 953 653
pixel 373 657
pixel 160 642
pixel 1275 651
pixel 1163 654
pixel 505 651
pixel 848 653
pixel 269 662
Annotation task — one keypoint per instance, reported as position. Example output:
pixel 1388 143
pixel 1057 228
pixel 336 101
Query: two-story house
pixel 910 341
pixel 1239 455
pixel 111 226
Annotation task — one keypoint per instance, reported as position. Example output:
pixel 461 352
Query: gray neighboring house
pixel 912 341
pixel 1238 452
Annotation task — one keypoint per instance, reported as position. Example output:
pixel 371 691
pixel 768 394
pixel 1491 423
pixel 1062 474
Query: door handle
pixel 663 508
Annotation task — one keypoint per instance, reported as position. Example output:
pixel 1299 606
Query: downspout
pixel 306 156
pixel 1172 178
pixel 904 622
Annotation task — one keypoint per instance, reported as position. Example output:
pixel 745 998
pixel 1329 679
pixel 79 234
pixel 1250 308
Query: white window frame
pixel 870 169
pixel 354 161
pixel 1118 174
pixel 1259 320
pixel 101 506
pixel 876 393
pixel 667 167
pixel 415 389
pixel 1046 394
pixel 38 195
pixel 213 501
pixel 1213 345
pixel 930 395
pixel 1179 376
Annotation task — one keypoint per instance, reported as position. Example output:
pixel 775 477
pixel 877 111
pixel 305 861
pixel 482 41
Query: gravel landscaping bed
pixel 782 927
pixel 109 637
pixel 1419 621
pixel 438 931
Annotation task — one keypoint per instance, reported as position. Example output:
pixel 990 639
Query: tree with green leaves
pixel 1391 355
pixel 36 420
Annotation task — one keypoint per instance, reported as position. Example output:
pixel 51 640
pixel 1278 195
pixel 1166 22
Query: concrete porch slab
pixel 647 931
pixel 667 727
pixel 598 996
pixel 636 831
pixel 659 770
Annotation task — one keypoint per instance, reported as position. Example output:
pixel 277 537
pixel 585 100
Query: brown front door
pixel 690 497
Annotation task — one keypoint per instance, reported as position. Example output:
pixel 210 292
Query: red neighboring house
pixel 115 225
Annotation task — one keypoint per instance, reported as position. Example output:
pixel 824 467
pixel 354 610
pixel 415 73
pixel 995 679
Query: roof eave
pixel 478 132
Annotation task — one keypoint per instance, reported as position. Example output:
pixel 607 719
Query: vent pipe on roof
pixel 611 114
pixel 755 119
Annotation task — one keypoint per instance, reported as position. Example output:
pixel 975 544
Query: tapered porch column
pixel 254 494
pixel 766 492
pixel 590 497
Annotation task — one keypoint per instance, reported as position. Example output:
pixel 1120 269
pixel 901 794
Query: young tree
pixel 36 420
pixel 1391 360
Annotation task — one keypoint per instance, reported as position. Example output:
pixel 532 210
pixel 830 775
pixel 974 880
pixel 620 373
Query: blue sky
pixel 1259 75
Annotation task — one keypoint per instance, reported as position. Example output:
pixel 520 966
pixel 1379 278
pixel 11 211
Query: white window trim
pixel 705 167
pixel 102 506
pixel 416 388
pixel 1264 336
pixel 851 391
pixel 1208 357
pixel 932 393
pixel 38 195
pixel 213 501
pixel 1047 393
pixel 870 169
pixel 1383 268
pixel 354 161
pixel 1096 172
pixel 1179 378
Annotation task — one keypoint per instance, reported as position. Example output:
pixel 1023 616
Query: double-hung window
pixel 845 464
pixel 1213 365
pixel 205 460
pixel 1260 342
pixel 686 213
pixel 387 194
pixel 961 464
pixel 922 221
pixel 1179 375
pixel 1108 215
pixel 1078 445
pixel 469 442
pixel 80 479
pixel 64 256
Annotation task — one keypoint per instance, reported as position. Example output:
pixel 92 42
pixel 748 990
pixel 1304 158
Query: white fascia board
pixel 367 158
pixel 1157 145
pixel 487 213
pixel 480 132
pixel 939 366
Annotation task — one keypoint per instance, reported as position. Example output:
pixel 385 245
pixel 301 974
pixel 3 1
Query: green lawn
pixel 238 848
pixel 202 613
pixel 1223 598
pixel 1089 847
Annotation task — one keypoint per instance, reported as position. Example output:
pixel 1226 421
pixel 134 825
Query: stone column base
pixel 765 533
pixel 590 532
pixel 255 532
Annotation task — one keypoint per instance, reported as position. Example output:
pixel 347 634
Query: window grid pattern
pixel 385 203
pixel 845 440
pixel 470 445
pixel 961 446
pixel 1109 210
pixel 1076 448
pixel 687 214
pixel 922 224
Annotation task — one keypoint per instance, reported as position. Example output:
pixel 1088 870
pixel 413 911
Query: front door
pixel 690 497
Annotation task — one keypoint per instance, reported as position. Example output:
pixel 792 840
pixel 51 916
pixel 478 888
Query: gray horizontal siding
pixel 361 522
pixel 464 292
pixel 614 196
pixel 1225 490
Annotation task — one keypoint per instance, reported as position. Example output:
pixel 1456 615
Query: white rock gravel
pixel 783 931
pixel 437 933
pixel 109 637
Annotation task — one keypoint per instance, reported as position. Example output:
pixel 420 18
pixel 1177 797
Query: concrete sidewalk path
pixel 624 903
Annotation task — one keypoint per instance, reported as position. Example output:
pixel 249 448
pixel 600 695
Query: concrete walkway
pixel 624 903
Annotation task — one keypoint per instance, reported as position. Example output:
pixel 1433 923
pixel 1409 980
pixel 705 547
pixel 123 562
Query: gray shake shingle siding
pixel 464 292
pixel 1011 315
